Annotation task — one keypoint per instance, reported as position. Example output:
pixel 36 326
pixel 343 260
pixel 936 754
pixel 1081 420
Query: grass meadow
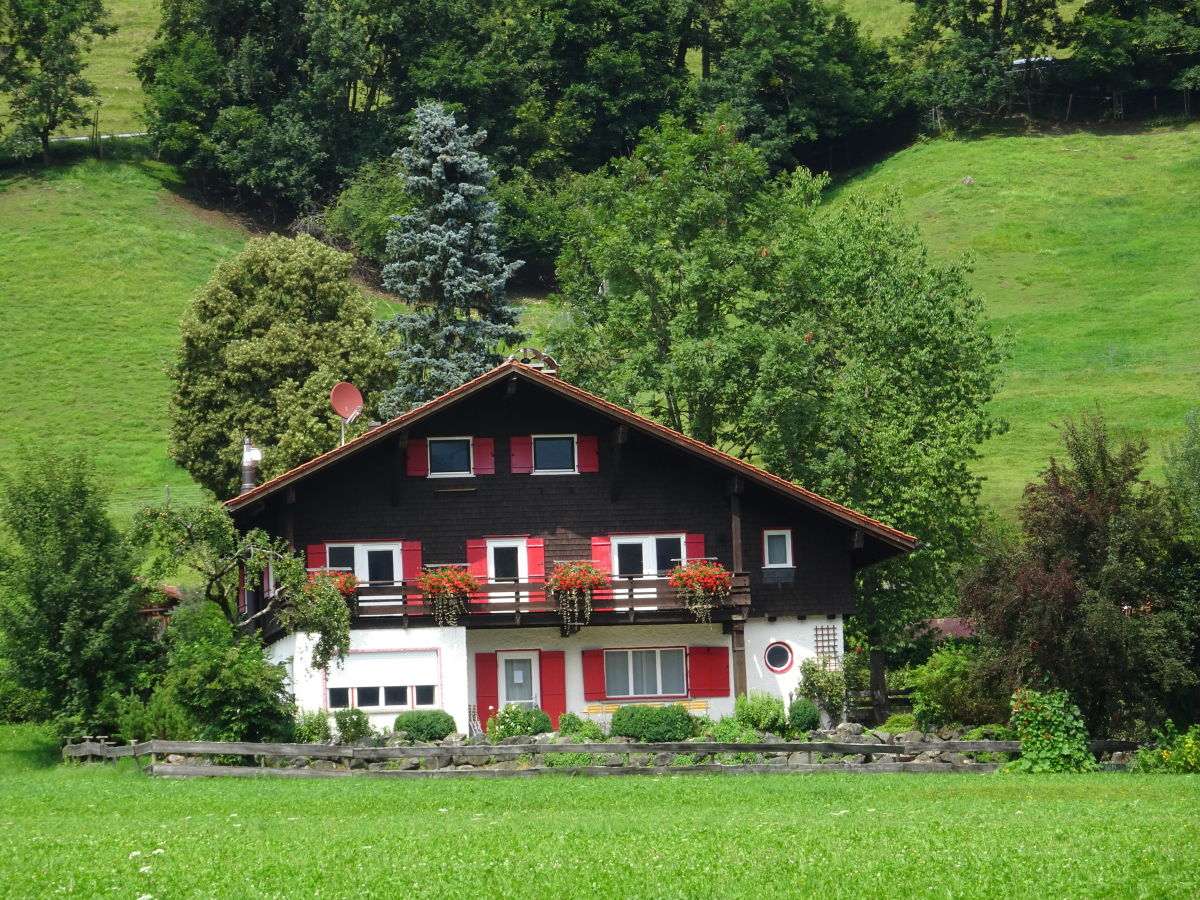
pixel 94 831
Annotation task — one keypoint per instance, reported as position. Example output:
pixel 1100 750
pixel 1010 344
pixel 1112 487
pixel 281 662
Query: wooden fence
pixel 92 749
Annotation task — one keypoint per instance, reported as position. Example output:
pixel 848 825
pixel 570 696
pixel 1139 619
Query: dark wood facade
pixel 648 480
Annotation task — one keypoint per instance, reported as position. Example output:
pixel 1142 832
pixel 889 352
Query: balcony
pixel 642 600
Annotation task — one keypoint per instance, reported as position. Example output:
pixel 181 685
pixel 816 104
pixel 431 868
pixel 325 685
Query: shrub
pixel 803 715
pixel 946 690
pixel 364 209
pixel 562 760
pixel 426 724
pixel 514 720
pixel 899 723
pixel 824 686
pixel 652 724
pixel 761 711
pixel 158 717
pixel 312 727
pixel 1174 752
pixel 731 731
pixel 991 733
pixel 352 725
pixel 580 729
pixel 856 664
pixel 1053 736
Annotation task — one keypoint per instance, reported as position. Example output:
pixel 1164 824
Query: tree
pixel 446 264
pixel 263 343
pixel 739 312
pixel 43 45
pixel 1099 595
pixel 69 622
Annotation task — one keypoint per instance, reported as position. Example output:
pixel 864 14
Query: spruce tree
pixel 446 265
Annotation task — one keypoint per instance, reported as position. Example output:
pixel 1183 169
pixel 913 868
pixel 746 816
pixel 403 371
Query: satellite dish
pixel 347 402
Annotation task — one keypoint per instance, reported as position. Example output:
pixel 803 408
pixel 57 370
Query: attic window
pixel 449 456
pixel 554 453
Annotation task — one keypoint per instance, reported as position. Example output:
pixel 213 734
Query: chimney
pixel 536 359
pixel 251 457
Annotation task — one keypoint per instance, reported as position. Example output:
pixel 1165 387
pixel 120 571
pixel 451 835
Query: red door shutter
pixel 602 554
pixel 314 556
pixel 487 690
pixel 694 547
pixel 708 671
pixel 589 453
pixel 521 455
pixel 593 675
pixel 535 553
pixel 417 458
pixel 553 665
pixel 483 451
pixel 410 560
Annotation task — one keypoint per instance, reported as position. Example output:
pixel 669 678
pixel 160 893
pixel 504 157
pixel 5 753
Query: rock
pixel 506 765
pixel 615 761
pixel 398 740
pixel 949 734
pixel 800 758
pixel 515 739
pixel 856 759
pixel 478 740
pixel 546 738
pixel 433 762
pixel 639 759
pixel 456 738
pixel 174 759
pixel 324 765
pixel 1121 758
pixel 954 757
pixel 664 759
pixel 885 737
pixel 768 738
pixel 926 756
pixel 847 730
pixel 621 739
pixel 465 767
pixel 777 759
pixel 910 737
pixel 870 737
pixel 299 762
pixel 376 767
pixel 905 757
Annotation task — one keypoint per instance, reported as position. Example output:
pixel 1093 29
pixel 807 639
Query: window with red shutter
pixel 593 674
pixel 589 453
pixel 520 455
pixel 417 458
pixel 484 453
pixel 487 688
pixel 708 671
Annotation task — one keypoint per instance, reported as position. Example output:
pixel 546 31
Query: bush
pixel 991 733
pixel 583 730
pixel 652 724
pixel 803 715
pixel 856 666
pixel 1174 752
pixel 562 760
pixel 900 723
pixel 514 720
pixel 946 690
pixel 363 211
pixel 159 717
pixel 312 727
pixel 352 725
pixel 732 731
pixel 761 711
pixel 426 724
pixel 824 686
pixel 1053 736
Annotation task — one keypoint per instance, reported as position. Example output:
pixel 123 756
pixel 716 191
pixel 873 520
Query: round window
pixel 779 657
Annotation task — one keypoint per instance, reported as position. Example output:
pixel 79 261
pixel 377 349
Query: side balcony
pixel 624 601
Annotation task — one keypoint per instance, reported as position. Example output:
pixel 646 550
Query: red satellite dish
pixel 347 402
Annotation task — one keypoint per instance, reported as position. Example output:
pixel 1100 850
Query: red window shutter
pixel 694 546
pixel 708 671
pixel 314 556
pixel 593 675
pixel 521 455
pixel 477 559
pixel 410 560
pixel 483 451
pixel 241 591
pixel 602 554
pixel 589 453
pixel 487 689
pixel 554 684
pixel 418 457
pixel 535 552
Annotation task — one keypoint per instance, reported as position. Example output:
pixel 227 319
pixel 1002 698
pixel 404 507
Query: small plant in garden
pixel 583 730
pixel 448 590
pixel 1173 752
pixel 514 720
pixel 652 724
pixel 991 733
pixel 702 584
pixel 730 731
pixel 312 727
pixel 352 725
pixel 572 585
pixel 898 723
pixel 761 711
pixel 803 716
pixel 425 724
pixel 822 682
pixel 1052 733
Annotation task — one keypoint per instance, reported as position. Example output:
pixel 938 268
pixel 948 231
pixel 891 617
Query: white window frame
pixel 470 473
pixel 649 551
pixel 522 545
pixel 574 470
pixel 629 651
pixel 787 533
pixel 360 569
pixel 382 706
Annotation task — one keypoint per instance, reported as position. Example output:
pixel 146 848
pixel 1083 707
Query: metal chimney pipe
pixel 251 456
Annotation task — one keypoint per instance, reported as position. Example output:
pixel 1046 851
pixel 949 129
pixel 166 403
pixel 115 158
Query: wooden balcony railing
pixel 624 595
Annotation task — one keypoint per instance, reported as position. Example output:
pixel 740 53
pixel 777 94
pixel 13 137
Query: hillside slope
pixel 1085 246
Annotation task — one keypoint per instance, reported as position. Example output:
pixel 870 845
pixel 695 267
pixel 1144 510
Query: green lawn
pixel 99 260
pixel 95 832
pixel 111 64
pixel 1084 246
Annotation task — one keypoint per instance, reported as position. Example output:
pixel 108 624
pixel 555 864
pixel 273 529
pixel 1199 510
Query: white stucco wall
pixel 799 634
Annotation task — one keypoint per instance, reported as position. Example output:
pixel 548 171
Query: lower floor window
pixel 387 695
pixel 645 673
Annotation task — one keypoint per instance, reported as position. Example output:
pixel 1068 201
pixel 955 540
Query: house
pixel 515 472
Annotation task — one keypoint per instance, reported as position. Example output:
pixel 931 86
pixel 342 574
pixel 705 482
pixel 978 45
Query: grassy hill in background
pixel 880 18
pixel 99 260
pixel 111 64
pixel 1085 246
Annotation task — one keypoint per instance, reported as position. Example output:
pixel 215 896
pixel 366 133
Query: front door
pixel 518 678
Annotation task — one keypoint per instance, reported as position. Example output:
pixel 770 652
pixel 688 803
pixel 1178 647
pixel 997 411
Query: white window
pixel 647 555
pixel 374 564
pixel 777 548
pixel 507 563
pixel 450 456
pixel 554 454
pixel 518 679
pixel 383 697
pixel 382 680
pixel 658 672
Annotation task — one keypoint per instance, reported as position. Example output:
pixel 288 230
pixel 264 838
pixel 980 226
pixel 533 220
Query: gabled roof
pixel 514 369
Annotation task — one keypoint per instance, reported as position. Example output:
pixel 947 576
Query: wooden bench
pixel 607 709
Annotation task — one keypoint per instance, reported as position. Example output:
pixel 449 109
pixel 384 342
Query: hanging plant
pixel 701 584
pixel 345 582
pixel 448 590
pixel 572 585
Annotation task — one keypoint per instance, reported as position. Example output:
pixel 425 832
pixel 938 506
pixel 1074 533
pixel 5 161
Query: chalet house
pixel 515 472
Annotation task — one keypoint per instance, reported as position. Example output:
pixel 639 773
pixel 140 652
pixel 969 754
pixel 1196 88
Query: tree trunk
pixel 45 137
pixel 879 694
